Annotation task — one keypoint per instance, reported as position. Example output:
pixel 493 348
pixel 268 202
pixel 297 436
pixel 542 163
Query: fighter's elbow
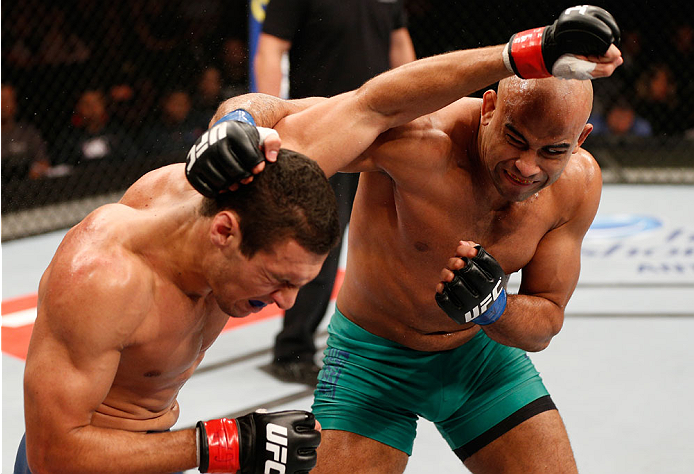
pixel 47 460
pixel 551 328
pixel 375 108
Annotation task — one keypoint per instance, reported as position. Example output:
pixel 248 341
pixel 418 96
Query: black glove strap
pixel 203 447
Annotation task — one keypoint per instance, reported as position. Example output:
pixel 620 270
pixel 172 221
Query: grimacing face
pixel 239 283
pixel 526 144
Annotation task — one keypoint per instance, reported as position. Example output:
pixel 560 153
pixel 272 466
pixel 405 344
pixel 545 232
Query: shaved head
pixel 529 129
pixel 557 100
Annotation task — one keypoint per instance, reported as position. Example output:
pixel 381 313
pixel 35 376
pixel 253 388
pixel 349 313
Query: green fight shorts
pixel 377 388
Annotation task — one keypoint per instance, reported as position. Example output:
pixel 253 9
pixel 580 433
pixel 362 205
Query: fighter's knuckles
pixel 446 275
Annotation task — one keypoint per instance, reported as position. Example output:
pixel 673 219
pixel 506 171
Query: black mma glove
pixel 259 443
pixel 476 292
pixel 584 30
pixel 224 155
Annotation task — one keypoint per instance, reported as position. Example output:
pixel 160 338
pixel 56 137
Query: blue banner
pixel 256 17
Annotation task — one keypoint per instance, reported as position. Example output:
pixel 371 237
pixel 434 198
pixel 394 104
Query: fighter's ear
pixel 225 228
pixel 488 106
pixel 584 134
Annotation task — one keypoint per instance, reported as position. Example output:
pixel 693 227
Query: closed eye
pixel 554 152
pixel 514 141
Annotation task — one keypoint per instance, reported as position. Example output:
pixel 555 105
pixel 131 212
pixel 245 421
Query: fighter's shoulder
pixel 582 170
pixel 95 258
pixel 164 182
pixel 438 128
pixel 578 189
pixel 92 299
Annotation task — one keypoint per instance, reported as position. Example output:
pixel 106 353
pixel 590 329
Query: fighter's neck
pixel 177 249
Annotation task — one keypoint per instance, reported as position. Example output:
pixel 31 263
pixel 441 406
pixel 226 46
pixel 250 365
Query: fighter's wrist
pixel 197 446
pixel 494 312
pixel 507 59
pixel 218 445
pixel 240 115
pixel 525 54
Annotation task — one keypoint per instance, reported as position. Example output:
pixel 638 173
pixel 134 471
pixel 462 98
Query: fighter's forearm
pixel 266 109
pixel 263 107
pixel 529 323
pixel 427 85
pixel 90 449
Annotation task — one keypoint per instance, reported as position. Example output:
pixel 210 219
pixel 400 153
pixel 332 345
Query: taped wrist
pixel 218 443
pixel 524 54
pixel 494 312
pixel 240 115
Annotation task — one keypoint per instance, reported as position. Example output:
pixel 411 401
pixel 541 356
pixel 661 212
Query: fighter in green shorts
pixel 378 388
pixel 440 173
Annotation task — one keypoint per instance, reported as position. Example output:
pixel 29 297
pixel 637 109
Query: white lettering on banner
pixel 277 444
pixel 662 268
pixel 669 252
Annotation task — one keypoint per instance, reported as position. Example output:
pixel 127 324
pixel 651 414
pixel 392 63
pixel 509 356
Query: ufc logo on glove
pixel 277 444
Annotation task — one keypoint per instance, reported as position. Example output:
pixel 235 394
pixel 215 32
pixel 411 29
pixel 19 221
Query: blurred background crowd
pixel 95 94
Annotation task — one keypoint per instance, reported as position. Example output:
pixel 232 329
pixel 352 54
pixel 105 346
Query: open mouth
pixel 517 180
pixel 257 303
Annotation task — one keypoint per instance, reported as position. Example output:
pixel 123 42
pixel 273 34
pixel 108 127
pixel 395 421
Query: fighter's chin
pixel 518 189
pixel 237 310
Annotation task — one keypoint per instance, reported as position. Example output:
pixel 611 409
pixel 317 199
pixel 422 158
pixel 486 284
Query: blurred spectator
pixel 161 32
pixel 632 52
pixel 657 100
pixel 131 100
pixel 93 135
pixel 206 22
pixel 122 101
pixel 60 45
pixel 208 95
pixel 23 149
pixel 22 34
pixel 625 76
pixel 176 130
pixel 234 62
pixel 620 120
pixel 682 65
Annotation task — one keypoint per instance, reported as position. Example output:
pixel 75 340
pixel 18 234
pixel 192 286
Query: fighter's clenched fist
pixel 472 287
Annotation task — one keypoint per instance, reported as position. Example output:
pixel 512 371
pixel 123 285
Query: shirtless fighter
pixel 481 188
pixel 135 295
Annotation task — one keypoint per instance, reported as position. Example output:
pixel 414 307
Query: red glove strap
pixel 223 443
pixel 526 53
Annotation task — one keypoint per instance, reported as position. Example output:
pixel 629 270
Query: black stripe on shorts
pixel 528 411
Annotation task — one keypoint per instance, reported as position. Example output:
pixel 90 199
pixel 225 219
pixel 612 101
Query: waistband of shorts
pixel 341 324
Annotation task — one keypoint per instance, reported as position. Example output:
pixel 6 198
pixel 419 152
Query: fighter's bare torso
pixel 164 331
pixel 425 195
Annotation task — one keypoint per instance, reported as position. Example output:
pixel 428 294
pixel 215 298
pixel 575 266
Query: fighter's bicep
pixel 555 267
pixel 335 132
pixel 83 324
pixel 553 271
pixel 66 384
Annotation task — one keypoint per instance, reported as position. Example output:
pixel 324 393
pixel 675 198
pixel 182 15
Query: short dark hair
pixel 290 199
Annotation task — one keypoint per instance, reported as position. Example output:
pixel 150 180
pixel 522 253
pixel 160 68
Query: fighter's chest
pixel 175 333
pixel 431 223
